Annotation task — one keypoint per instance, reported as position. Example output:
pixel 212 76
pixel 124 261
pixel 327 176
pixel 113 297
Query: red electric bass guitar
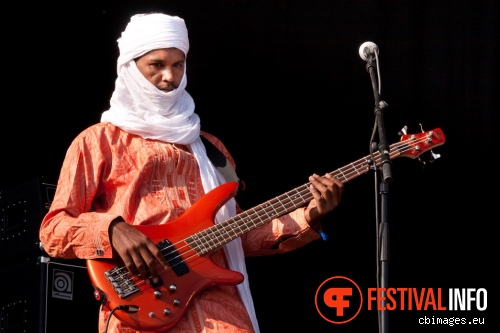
pixel 187 244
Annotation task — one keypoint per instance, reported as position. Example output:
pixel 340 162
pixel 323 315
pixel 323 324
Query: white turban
pixel 140 108
pixel 146 32
pixel 137 106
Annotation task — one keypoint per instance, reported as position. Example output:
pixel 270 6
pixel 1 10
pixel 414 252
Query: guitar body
pixel 158 310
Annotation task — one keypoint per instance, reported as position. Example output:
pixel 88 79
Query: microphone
pixel 368 49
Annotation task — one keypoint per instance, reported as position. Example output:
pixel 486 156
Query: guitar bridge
pixel 121 282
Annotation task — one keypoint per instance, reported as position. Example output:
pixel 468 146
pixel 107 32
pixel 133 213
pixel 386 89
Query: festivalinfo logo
pixel 339 300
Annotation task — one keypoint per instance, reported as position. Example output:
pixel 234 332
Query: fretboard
pixel 221 233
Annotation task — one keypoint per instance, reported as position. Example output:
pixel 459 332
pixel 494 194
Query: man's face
pixel 164 68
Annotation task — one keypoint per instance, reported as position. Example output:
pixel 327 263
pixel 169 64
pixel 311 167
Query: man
pixel 145 164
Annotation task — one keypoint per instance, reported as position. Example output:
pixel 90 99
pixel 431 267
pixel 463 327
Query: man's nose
pixel 168 74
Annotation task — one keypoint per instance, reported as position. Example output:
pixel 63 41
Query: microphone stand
pixel 381 216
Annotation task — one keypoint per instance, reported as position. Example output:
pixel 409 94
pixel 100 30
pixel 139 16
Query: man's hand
pixel 327 193
pixel 138 252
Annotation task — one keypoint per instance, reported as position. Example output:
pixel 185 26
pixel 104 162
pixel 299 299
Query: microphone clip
pixel 370 63
pixel 382 105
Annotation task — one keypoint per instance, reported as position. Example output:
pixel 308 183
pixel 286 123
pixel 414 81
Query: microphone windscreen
pixel 366 49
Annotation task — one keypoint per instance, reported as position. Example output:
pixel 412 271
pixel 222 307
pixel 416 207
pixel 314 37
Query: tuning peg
pixel 434 156
pixel 403 131
pixel 422 163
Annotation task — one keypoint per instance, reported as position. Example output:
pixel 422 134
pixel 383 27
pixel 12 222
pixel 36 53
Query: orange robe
pixel 108 173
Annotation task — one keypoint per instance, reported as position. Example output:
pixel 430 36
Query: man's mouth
pixel 168 89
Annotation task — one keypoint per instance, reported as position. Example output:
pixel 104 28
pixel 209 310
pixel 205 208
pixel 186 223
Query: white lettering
pixel 484 305
pixel 462 299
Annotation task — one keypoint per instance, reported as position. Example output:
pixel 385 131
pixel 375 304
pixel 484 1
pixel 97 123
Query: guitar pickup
pixel 173 257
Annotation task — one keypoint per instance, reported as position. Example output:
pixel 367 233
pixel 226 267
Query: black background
pixel 282 84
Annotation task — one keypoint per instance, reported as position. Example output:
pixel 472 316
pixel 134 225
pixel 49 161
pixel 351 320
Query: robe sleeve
pixel 70 229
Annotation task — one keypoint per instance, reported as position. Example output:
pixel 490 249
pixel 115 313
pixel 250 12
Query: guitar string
pixel 361 163
pixel 345 173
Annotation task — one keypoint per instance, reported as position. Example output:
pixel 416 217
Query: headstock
pixel 413 145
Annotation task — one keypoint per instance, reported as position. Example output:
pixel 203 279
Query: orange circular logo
pixel 338 300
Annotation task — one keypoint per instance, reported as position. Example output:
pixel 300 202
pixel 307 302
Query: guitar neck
pixel 218 235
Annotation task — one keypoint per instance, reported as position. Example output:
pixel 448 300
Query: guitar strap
pixel 220 162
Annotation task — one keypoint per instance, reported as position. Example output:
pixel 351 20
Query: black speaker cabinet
pixel 22 209
pixel 47 295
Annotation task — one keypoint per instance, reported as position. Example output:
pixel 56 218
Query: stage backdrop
pixel 282 84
